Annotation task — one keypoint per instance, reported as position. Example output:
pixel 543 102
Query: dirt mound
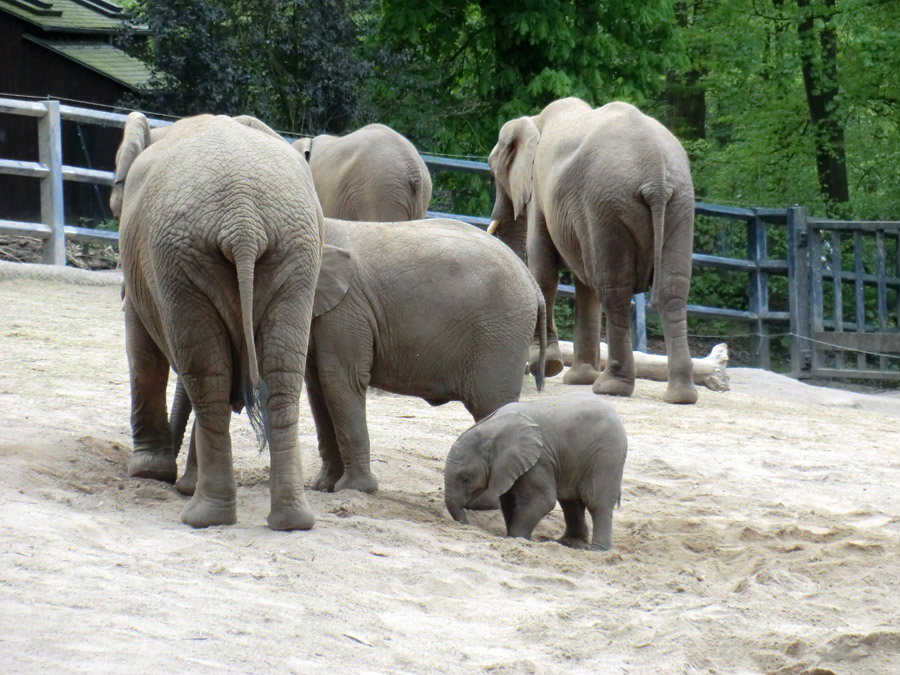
pixel 759 531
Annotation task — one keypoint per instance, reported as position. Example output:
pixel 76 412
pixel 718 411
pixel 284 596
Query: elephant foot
pixel 583 373
pixel 156 465
pixel 364 482
pixel 291 517
pixel 553 361
pixel 575 542
pixel 187 484
pixel 201 512
pixel 609 386
pixel 680 394
pixel 325 481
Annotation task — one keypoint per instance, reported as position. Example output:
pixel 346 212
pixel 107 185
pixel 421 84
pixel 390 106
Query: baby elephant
pixel 530 454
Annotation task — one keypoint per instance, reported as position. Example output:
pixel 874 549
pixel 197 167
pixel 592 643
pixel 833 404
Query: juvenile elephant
pixel 221 244
pixel 372 174
pixel 435 309
pixel 606 192
pixel 530 454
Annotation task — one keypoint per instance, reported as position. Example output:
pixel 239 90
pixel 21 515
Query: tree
pixel 295 64
pixel 490 60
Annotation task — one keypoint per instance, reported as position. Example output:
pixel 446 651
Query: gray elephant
pixel 532 454
pixel 372 174
pixel 221 245
pixel 435 309
pixel 607 193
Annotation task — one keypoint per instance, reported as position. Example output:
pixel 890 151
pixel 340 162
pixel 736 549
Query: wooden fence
pixel 825 342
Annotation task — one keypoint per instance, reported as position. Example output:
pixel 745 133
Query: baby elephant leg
pixel 576 534
pixel 531 498
pixel 602 536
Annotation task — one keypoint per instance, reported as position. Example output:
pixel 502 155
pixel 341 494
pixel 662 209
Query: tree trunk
pixel 818 63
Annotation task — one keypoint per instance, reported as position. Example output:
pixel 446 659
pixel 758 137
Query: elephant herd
pixel 248 271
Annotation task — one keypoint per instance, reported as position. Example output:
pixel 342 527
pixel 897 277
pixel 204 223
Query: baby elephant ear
pixel 335 276
pixel 517 447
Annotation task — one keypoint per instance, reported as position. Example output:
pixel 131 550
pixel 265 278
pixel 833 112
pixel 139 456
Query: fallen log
pixel 710 372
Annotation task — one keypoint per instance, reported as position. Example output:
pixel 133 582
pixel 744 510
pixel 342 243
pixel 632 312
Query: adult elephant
pixel 454 323
pixel 372 174
pixel 221 245
pixel 606 192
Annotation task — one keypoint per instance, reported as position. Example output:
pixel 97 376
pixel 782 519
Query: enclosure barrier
pixel 814 266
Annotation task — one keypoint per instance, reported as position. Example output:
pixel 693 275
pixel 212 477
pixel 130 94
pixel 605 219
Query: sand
pixel 759 531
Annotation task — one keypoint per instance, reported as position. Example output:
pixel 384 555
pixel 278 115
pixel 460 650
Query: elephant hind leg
pixel 215 497
pixel 681 387
pixel 153 456
pixel 617 378
pixel 332 465
pixel 601 539
pixel 576 534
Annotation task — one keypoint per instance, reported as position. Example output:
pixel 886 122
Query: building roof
pixel 71 16
pixel 102 58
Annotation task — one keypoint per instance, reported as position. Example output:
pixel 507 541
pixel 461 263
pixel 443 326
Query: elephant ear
pixel 512 161
pixel 335 276
pixel 253 123
pixel 303 146
pixel 517 446
pixel 135 138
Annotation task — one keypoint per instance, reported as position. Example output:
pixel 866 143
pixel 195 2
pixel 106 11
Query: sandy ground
pixel 759 531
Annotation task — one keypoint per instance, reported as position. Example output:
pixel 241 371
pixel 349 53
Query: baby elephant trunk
pixel 457 510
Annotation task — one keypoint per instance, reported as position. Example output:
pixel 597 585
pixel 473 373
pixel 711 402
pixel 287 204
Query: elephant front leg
pixel 531 498
pixel 586 339
pixel 332 464
pixel 576 534
pixel 152 456
pixel 543 261
pixel 617 379
pixel 187 484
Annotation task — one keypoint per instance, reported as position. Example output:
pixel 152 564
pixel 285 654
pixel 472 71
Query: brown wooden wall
pixel 27 69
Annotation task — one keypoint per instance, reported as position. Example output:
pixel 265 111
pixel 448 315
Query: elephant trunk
pixel 457 510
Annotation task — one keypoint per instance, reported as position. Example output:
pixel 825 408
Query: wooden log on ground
pixel 710 372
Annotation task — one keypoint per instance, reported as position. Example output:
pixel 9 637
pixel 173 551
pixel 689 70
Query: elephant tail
pixel 542 341
pixel 657 199
pixel 256 394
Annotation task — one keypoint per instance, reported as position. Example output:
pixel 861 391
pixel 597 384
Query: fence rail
pixel 813 266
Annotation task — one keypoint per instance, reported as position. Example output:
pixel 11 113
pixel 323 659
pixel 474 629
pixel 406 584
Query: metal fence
pixel 817 268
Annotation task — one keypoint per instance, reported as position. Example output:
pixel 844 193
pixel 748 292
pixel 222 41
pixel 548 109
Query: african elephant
pixel 371 174
pixel 606 192
pixel 435 309
pixel 530 454
pixel 221 245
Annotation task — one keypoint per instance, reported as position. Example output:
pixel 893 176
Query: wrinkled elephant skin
pixel 221 244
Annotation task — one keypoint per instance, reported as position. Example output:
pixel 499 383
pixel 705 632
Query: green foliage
pixel 295 65
pixel 488 61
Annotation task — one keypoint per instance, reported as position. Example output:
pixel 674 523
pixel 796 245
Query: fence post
pixel 639 338
pixel 759 292
pixel 798 290
pixel 52 212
